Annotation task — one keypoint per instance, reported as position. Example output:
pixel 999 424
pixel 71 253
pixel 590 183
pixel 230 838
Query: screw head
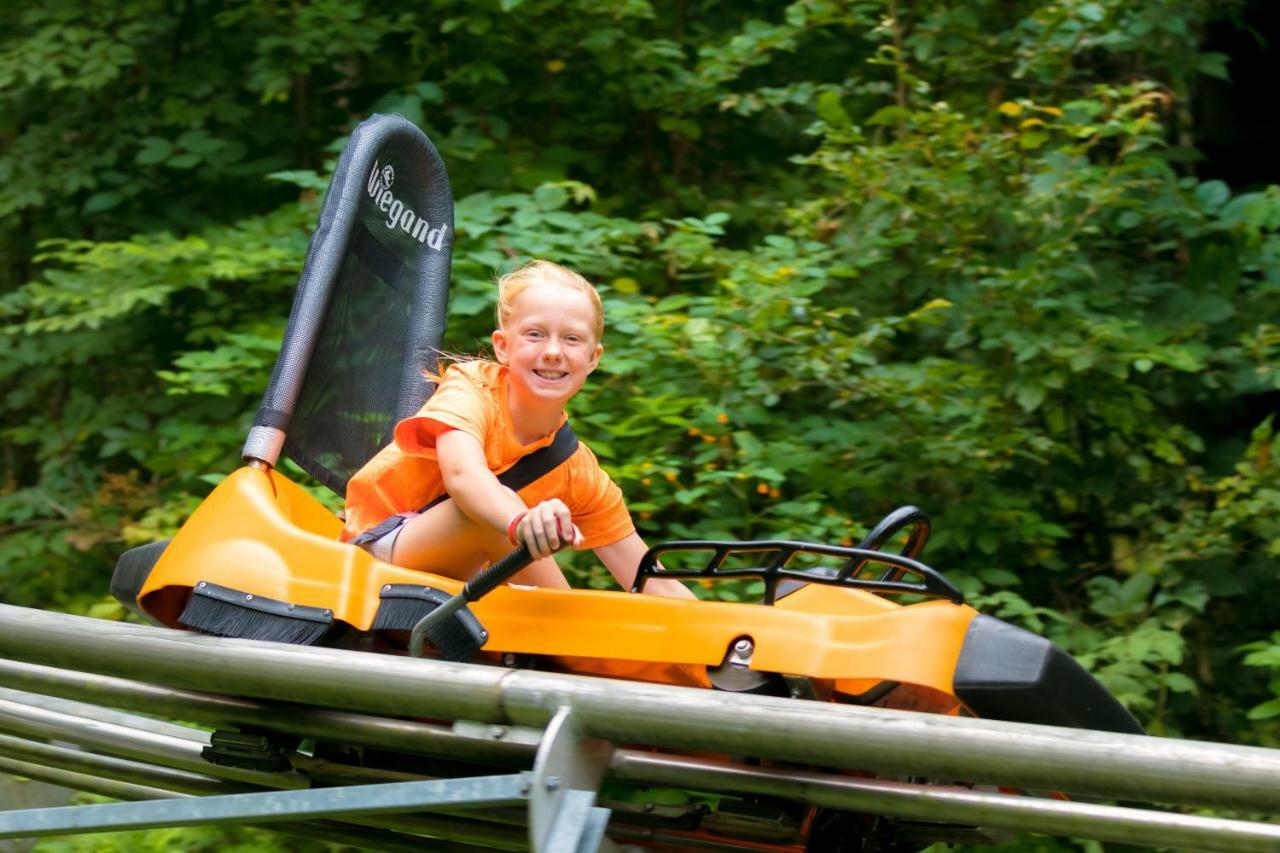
pixel 552 783
pixel 201 585
pixel 386 587
pixel 743 646
pixel 292 606
pixel 248 596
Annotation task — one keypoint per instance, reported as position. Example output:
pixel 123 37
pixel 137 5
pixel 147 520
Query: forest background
pixel 965 255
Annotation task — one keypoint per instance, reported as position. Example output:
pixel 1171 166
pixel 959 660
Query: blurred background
pixel 1014 261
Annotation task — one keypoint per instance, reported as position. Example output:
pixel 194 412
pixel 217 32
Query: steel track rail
pixel 924 802
pixel 148 762
pixel 895 742
pixel 95 782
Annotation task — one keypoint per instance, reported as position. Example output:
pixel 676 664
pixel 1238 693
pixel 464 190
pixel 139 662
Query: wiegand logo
pixel 399 215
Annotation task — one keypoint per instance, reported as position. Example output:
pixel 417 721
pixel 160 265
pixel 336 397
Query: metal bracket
pixel 563 817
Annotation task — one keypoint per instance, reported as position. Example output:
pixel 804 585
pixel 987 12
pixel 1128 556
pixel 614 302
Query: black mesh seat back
pixel 369 314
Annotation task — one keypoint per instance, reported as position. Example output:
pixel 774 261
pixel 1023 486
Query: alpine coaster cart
pixel 730 766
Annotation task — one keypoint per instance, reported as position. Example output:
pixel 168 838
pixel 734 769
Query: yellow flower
pixel 646 482
pixel 762 488
pixel 722 418
pixel 1010 109
pixel 555 66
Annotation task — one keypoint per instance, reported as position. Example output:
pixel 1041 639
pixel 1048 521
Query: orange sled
pixel 261 558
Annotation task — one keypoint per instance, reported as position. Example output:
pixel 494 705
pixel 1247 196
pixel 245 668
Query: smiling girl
pixel 483 418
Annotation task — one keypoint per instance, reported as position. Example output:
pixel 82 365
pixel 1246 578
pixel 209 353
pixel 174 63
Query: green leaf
pixel 154 150
pixel 1030 397
pixel 1266 711
pixel 832 111
pixel 999 577
pixel 1093 12
pixel 99 202
pixel 1211 195
pixel 1214 65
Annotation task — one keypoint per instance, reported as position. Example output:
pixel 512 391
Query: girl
pixel 483 417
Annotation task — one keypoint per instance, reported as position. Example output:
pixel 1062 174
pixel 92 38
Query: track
pixel 77 690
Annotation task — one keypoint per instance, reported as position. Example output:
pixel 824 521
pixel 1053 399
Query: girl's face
pixel 549 344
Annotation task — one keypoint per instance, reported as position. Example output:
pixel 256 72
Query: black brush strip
pixel 211 616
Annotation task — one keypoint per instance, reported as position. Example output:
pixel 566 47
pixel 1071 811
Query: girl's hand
pixel 546 528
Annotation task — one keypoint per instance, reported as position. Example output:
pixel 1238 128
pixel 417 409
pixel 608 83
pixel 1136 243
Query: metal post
pixel 563 817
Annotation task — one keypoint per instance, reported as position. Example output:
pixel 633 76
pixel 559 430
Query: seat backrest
pixel 369 312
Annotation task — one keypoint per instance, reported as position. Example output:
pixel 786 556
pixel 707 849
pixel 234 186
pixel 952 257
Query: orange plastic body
pixel 262 534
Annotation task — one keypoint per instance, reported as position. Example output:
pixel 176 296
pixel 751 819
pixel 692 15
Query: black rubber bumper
pixel 132 570
pixel 1006 673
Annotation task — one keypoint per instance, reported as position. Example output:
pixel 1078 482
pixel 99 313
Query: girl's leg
pixel 444 540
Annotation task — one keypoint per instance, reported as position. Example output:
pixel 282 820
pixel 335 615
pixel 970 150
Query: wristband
pixel 511 526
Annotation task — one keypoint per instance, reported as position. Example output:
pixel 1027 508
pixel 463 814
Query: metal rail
pixel 926 745
pixel 380 839
pixel 359 688
pixel 938 803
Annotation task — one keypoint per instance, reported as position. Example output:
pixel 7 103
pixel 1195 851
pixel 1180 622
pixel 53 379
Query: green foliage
pixel 854 255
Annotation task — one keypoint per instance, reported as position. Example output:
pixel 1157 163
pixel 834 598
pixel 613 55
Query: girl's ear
pixel 499 339
pixel 595 357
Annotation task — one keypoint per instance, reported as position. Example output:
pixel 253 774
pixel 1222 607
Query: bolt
pixel 292 606
pixel 484 635
pixel 326 612
pixel 386 587
pixel 524 787
pixel 248 596
pixel 552 783
pixel 201 585
pixel 743 646
pixel 508 659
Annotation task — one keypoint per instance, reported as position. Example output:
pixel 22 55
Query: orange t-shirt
pixel 405 475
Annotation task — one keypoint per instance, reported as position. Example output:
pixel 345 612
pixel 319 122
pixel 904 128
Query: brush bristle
pixel 456 640
pixel 401 614
pixel 403 606
pixel 223 619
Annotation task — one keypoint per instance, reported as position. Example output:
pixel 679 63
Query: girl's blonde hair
pixel 511 285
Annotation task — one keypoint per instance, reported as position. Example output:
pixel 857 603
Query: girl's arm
pixel 483 499
pixel 622 559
